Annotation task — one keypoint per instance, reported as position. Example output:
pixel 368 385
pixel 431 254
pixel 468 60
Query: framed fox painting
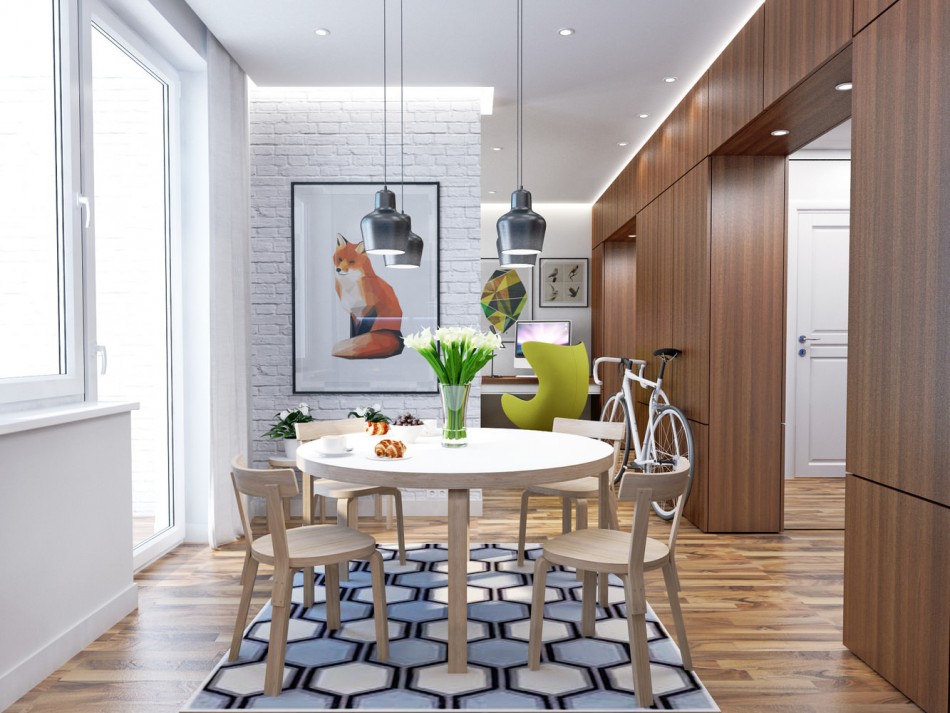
pixel 350 310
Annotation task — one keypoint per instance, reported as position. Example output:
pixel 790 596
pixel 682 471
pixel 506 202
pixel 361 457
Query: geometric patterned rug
pixel 338 670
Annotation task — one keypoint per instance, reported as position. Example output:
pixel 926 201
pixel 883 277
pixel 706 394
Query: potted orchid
pixel 284 427
pixel 456 355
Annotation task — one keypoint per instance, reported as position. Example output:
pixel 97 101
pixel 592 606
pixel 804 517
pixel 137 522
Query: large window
pixel 39 241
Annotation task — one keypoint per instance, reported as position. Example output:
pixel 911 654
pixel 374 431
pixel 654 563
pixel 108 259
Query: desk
pixel 494 458
pixel 523 386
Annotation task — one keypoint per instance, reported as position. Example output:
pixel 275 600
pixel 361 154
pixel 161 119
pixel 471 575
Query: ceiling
pixel 582 93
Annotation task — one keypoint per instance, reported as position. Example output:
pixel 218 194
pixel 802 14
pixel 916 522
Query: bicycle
pixel 666 436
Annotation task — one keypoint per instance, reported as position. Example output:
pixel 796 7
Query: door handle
pixel 101 352
pixel 802 339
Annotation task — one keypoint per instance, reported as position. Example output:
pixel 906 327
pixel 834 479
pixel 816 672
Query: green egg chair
pixel 563 379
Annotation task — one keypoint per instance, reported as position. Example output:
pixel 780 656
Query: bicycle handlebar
pixel 623 361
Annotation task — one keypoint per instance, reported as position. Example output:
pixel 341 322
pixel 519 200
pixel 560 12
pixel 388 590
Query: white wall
pixel 569 236
pixel 66 534
pixel 304 135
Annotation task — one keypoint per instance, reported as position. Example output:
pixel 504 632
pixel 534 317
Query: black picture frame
pixel 341 344
pixel 563 282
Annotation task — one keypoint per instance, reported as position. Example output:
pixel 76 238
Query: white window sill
pixel 58 415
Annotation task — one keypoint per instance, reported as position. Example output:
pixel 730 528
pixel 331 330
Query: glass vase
pixel 454 407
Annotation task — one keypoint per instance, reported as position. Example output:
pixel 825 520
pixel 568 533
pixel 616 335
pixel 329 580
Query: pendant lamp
pixel 413 256
pixel 520 230
pixel 385 230
pixel 507 261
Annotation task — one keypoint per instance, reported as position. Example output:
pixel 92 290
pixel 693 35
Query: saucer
pixel 324 454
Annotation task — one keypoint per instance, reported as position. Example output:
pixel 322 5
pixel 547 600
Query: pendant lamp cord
pixel 519 90
pixel 385 104
pixel 402 121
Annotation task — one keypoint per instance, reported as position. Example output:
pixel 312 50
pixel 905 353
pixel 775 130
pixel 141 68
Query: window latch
pixel 82 202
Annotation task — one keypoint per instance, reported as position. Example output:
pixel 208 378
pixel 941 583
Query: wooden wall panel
pixel 689 385
pixel 899 323
pixel 735 82
pixel 645 332
pixel 896 580
pixel 597 313
pixel 697 505
pixel 800 36
pixel 866 10
pixel 687 131
pixel 620 305
pixel 747 325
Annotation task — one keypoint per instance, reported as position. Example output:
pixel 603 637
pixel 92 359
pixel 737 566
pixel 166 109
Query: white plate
pixel 373 456
pixel 347 452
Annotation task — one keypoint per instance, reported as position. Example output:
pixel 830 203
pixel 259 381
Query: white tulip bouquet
pixel 456 354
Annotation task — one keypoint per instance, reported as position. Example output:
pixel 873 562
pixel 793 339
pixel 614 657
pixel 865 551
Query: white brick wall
pixel 301 135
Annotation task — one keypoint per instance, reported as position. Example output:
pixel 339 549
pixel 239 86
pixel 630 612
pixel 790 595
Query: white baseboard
pixel 33 670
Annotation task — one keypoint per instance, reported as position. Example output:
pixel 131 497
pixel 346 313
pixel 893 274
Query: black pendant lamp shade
pixel 507 261
pixel 413 255
pixel 520 230
pixel 385 230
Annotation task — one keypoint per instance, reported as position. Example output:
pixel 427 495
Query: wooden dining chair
pixel 347 494
pixel 290 550
pixel 575 492
pixel 627 555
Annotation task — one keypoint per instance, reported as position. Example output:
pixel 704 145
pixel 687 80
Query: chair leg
pixel 588 602
pixel 331 583
pixel 580 523
pixel 639 652
pixel 523 526
pixel 379 606
pixel 400 527
pixel 248 574
pixel 672 592
pixel 565 515
pixel 537 613
pixel 377 507
pixel 389 505
pixel 346 509
pixel 280 621
pixel 603 590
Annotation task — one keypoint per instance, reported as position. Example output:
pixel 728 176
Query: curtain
pixel 229 173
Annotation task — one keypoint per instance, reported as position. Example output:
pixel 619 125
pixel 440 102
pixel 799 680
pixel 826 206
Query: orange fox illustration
pixel 375 314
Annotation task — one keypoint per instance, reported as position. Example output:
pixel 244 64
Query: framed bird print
pixel 562 282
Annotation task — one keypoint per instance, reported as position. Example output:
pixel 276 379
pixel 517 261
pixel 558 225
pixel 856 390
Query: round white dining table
pixel 494 458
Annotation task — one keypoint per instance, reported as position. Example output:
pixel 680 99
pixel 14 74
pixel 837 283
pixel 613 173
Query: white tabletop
pixel 494 457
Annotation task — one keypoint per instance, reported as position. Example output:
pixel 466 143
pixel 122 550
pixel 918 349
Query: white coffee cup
pixel 332 445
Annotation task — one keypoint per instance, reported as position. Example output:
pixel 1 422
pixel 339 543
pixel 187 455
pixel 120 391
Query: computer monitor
pixel 549 332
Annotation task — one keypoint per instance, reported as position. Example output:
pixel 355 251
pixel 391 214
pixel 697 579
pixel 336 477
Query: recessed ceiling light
pixel 491 193
pixel 623 143
pixel 780 132
pixel 321 32
pixel 644 116
pixel 670 80
pixel 632 235
pixel 844 86
pixel 496 148
pixel 566 31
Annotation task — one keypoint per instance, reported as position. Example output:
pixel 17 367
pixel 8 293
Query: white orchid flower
pixel 283 415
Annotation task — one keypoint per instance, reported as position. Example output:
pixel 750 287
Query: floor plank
pixel 763 613
pixel 814 504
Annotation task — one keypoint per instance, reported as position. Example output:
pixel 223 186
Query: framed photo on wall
pixel 506 297
pixel 562 282
pixel 350 311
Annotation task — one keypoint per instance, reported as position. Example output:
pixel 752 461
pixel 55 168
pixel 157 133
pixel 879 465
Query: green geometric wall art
pixel 503 297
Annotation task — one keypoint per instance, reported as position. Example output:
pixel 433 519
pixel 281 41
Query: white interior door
pixel 821 344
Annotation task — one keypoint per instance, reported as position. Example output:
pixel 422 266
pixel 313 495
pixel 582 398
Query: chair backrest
pixel 563 379
pixel 647 487
pixel 273 485
pixel 312 430
pixel 610 431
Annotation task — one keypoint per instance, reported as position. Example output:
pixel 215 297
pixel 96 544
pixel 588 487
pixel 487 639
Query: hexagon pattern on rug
pixel 339 670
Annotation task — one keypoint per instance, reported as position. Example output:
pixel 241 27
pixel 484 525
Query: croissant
pixel 388 448
pixel 377 428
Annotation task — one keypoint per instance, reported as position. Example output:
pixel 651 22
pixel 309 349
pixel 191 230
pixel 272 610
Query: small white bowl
pixel 406 434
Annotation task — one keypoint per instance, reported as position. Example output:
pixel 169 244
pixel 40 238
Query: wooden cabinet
pixel 686 131
pixel 620 305
pixel 800 36
pixel 697 504
pixel 654 328
pixel 597 312
pixel 689 374
pixel 735 83
pixel 866 10
pixel 899 331
pixel 896 580
pixel 747 328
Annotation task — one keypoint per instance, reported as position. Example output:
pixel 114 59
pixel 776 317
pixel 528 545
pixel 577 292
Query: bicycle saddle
pixel 668 352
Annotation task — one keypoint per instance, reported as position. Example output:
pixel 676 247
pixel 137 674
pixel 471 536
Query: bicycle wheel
pixel 671 440
pixel 615 410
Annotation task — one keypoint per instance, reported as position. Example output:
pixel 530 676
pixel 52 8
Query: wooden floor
pixel 814 504
pixel 763 614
